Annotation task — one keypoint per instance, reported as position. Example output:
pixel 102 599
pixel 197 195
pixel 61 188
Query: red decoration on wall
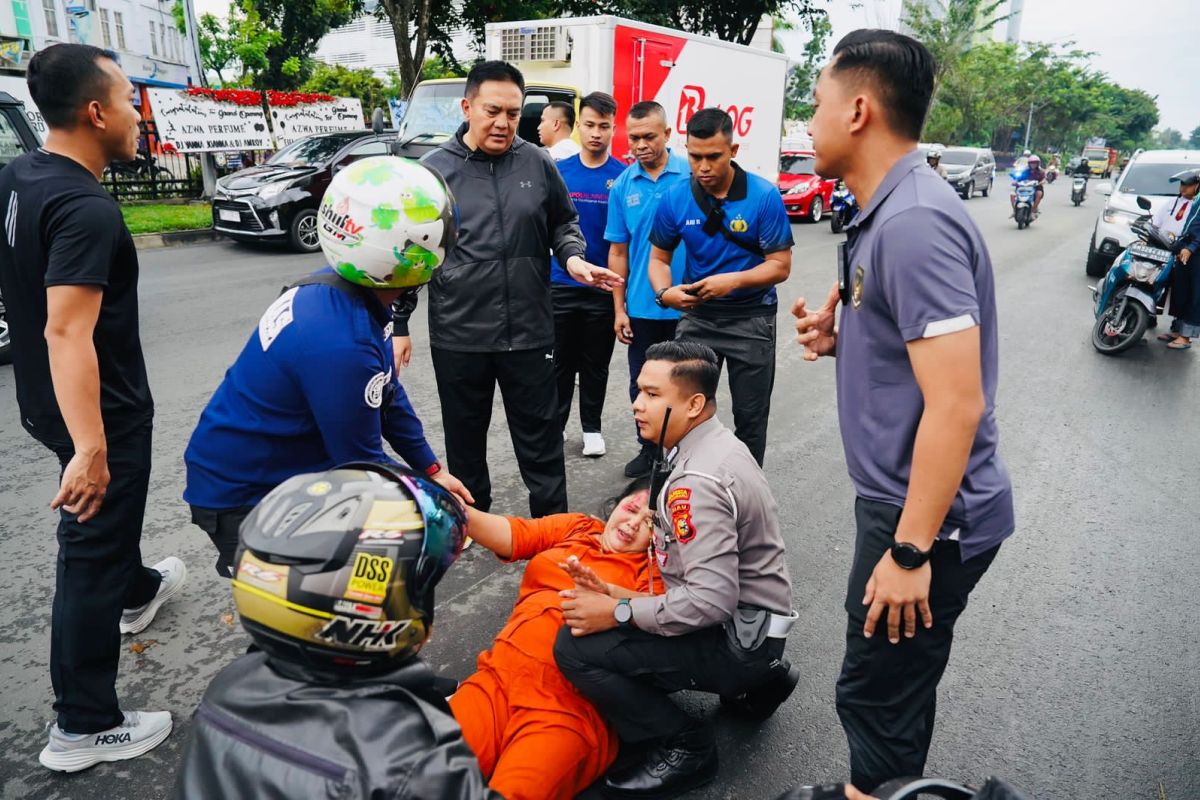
pixel 249 97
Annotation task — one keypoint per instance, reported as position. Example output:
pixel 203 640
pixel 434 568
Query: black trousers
pixel 887 693
pixel 628 674
pixel 222 526
pixel 747 348
pixel 466 384
pixel 646 332
pixel 99 573
pixel 583 346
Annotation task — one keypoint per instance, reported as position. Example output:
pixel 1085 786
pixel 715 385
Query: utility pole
pixel 1029 125
pixel 208 167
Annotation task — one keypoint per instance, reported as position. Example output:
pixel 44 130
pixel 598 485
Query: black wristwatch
pixel 659 295
pixel 909 556
pixel 623 612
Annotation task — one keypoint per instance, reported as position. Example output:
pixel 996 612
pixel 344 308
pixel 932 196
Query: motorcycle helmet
pixel 935 153
pixel 336 570
pixel 1034 159
pixel 1187 177
pixel 387 223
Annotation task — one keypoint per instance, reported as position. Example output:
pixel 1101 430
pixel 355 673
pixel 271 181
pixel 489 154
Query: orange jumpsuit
pixel 535 736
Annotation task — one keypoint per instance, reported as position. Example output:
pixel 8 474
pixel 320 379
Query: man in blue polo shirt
pixel 639 321
pixel 583 315
pixel 739 246
pixel 916 381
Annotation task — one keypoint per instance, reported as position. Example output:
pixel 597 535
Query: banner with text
pixel 304 119
pixel 198 124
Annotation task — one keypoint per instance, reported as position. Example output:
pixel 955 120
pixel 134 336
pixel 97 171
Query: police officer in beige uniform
pixel 720 616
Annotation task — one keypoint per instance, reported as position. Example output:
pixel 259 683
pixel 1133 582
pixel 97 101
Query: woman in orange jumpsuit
pixel 535 736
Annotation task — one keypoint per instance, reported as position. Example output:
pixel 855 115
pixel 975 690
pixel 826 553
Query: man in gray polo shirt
pixel 916 377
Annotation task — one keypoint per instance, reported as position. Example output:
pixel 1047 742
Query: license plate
pixel 1143 250
pixel 229 216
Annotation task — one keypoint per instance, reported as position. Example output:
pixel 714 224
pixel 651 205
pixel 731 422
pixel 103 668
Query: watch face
pixel 623 612
pixel 908 556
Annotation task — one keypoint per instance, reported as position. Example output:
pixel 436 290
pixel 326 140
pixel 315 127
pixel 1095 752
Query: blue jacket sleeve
pixel 403 430
pixel 344 384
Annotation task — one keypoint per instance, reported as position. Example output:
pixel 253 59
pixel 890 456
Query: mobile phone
pixel 693 291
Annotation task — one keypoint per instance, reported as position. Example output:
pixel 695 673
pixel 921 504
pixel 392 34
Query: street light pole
pixel 1029 125
pixel 208 167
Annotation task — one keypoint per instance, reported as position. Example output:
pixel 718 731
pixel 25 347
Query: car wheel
pixel 303 234
pixel 817 210
pixel 1097 264
pixel 968 190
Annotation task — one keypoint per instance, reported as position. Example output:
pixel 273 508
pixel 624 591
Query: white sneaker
pixel 141 732
pixel 593 444
pixel 174 573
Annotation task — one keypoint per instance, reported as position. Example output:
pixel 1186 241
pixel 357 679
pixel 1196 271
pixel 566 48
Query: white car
pixel 1147 174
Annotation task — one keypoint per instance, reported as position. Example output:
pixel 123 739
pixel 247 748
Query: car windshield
pixel 1151 179
pixel 798 165
pixel 434 112
pixel 312 151
pixel 1096 155
pixel 959 157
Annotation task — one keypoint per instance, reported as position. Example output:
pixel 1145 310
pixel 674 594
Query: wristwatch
pixel 659 295
pixel 623 612
pixel 909 556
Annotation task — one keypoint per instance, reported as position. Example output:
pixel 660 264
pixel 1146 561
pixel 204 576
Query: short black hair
pixel 696 364
pixel 708 122
pixel 63 78
pixel 899 68
pixel 600 102
pixel 566 109
pixel 646 108
pixel 492 71
pixel 641 484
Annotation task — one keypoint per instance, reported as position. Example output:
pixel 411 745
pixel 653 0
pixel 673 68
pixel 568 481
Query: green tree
pixel 301 24
pixel 1169 139
pixel 1194 139
pixel 951 29
pixel 802 76
pixel 418 26
pixel 342 81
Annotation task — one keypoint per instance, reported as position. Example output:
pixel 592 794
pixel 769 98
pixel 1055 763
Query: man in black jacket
pixel 490 315
pixel 332 701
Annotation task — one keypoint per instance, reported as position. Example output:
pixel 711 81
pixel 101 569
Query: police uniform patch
pixel 685 531
pixel 856 294
pixel 678 494
pixel 739 225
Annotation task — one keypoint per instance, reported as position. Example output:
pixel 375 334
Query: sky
pixel 1150 45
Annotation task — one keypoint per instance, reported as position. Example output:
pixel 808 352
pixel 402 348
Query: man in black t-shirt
pixel 69 273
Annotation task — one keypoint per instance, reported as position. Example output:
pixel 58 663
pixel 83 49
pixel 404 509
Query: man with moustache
pixel 639 322
pixel 917 370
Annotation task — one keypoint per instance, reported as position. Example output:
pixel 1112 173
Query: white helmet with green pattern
pixel 387 223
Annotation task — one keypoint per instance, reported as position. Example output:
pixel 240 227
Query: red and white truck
pixel 565 59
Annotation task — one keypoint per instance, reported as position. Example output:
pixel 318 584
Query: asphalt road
pixel 1075 668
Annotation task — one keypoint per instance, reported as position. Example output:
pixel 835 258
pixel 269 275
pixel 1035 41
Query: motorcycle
pixel 1052 174
pixel 842 208
pixel 5 335
pixel 1026 191
pixel 1078 189
pixel 1135 288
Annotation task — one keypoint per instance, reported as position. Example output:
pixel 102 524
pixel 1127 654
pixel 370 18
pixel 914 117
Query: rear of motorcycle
pixel 1023 213
pixel 1078 190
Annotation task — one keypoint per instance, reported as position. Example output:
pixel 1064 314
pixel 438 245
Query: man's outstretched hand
pixel 814 328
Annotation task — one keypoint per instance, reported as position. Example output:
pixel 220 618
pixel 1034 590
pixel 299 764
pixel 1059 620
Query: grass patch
pixel 159 218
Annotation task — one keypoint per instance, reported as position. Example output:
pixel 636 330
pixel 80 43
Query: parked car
pixel 970 170
pixel 1147 174
pixel 806 195
pixel 278 200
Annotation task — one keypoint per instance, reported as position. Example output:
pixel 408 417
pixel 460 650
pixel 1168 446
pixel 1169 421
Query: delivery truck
pixel 565 59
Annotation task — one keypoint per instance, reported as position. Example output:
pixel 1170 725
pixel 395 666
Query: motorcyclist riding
pixel 1032 172
pixel 334 581
pixel 934 159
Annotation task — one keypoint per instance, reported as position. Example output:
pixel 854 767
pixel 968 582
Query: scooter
pixel 1026 191
pixel 1052 174
pixel 842 206
pixel 1078 189
pixel 1135 288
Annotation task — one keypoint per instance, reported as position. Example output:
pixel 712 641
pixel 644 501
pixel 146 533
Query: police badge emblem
pixel 856 294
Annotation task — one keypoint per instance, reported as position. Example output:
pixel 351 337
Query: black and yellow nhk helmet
pixel 336 570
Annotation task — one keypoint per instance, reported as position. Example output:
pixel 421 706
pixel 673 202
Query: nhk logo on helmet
pixel 338 224
pixel 367 634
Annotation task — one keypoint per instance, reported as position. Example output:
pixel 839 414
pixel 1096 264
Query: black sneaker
pixel 641 464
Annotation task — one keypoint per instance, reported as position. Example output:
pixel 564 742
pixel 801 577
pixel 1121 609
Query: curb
pixel 152 241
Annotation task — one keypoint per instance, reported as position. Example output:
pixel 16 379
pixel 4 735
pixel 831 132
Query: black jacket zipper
pixel 284 752
pixel 504 250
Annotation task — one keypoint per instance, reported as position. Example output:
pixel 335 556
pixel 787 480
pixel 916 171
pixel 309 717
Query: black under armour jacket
pixel 274 731
pixel 493 292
